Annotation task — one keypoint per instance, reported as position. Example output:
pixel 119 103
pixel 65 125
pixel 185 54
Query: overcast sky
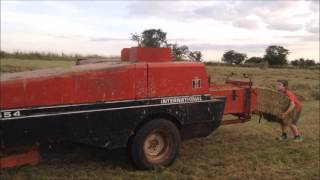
pixel 213 27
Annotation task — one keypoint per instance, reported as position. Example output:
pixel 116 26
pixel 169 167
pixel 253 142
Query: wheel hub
pixel 154 144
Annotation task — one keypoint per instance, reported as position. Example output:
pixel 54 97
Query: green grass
pixel 9 65
pixel 302 81
pixel 241 151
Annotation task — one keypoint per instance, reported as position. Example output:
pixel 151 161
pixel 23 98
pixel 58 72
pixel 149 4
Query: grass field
pixel 16 65
pixel 243 151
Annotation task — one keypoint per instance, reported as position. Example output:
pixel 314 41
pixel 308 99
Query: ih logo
pixel 196 83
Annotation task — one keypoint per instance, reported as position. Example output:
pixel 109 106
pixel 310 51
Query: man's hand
pixel 291 107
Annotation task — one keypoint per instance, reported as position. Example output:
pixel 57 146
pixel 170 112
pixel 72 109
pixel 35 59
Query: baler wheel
pixel 156 144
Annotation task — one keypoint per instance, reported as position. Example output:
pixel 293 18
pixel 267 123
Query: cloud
pixel 299 39
pixel 63 37
pixel 89 38
pixel 179 40
pixel 245 26
pixel 173 10
pixel 310 38
pixel 225 47
pixel 279 25
pixel 228 13
pixel 245 23
pixel 107 39
pixel 219 11
pixel 313 26
pixel 314 6
pixel 275 15
pixel 147 9
pixel 68 36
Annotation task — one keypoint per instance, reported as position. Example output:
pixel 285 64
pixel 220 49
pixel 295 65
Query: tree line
pixel 274 55
pixel 34 55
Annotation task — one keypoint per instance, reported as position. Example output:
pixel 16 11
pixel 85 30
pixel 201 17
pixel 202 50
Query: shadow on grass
pixel 76 154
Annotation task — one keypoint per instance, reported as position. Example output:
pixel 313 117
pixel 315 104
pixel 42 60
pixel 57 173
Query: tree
pixel 179 52
pixel 255 60
pixel 156 38
pixel 295 62
pixel 298 62
pixel 310 62
pixel 232 56
pixel 195 56
pixel 136 37
pixel 3 54
pixel 276 55
pixel 153 38
pixel 303 62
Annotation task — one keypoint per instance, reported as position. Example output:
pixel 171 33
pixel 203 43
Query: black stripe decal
pixel 12 114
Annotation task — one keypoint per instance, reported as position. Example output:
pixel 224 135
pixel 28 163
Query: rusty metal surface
pixel 26 155
pixel 241 96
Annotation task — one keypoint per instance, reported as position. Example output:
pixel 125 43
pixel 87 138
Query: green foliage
pixel 276 55
pixel 254 60
pixel 179 52
pixel 195 56
pixel 232 56
pixel 156 38
pixel 136 37
pixel 153 38
pixel 303 62
pixel 3 54
pixel 183 52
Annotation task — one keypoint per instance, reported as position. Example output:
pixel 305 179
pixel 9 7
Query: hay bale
pixel 271 104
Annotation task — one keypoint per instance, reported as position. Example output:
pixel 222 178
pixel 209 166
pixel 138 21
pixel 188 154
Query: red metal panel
pixel 232 105
pixel 174 79
pixel 47 91
pixel 81 86
pixel 237 99
pixel 112 84
pixel 12 94
pixel 30 155
pixel 141 82
pixel 125 54
pixel 150 54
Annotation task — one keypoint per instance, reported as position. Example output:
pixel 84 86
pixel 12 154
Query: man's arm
pixel 291 107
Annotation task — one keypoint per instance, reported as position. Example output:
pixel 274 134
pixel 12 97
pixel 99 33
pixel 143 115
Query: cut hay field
pixel 243 151
pixel 9 65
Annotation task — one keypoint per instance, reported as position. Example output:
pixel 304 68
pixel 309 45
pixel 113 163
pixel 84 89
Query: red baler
pixel 147 102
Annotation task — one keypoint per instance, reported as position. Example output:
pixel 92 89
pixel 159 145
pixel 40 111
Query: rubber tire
pixel 136 148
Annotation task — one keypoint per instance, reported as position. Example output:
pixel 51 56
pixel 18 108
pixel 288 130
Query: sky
pixel 212 27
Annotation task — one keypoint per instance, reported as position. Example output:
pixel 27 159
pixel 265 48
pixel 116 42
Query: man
pixel 295 108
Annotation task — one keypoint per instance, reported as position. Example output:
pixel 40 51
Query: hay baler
pixel 146 102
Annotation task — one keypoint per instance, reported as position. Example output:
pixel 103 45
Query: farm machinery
pixel 146 102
